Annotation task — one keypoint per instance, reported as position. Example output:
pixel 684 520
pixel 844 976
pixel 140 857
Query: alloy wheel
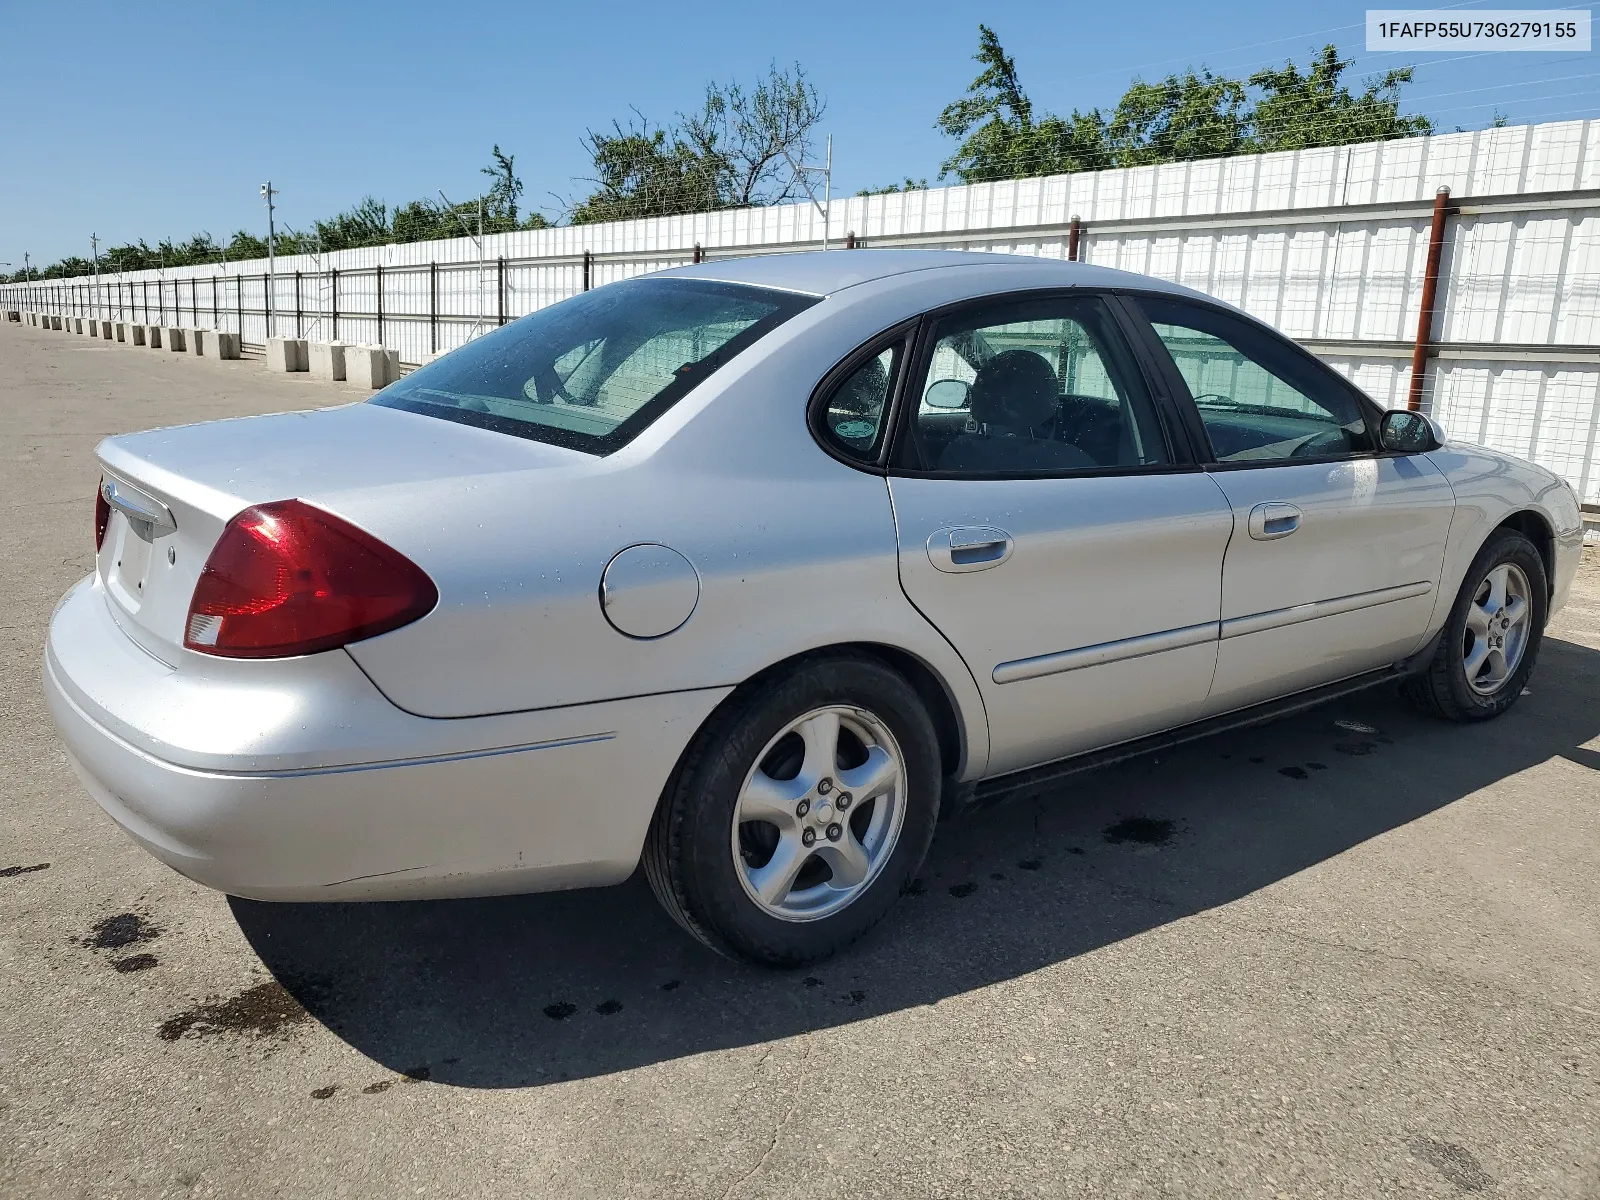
pixel 819 814
pixel 1497 627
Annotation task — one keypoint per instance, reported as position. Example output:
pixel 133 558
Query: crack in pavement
pixel 777 1130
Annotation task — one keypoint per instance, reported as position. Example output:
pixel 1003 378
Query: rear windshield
pixel 592 372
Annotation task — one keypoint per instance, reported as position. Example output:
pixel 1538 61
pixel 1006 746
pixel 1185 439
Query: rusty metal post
pixel 500 286
pixel 1430 292
pixel 699 254
pixel 1074 235
pixel 850 240
pixel 588 265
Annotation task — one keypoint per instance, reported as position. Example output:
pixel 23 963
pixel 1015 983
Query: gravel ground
pixel 1303 960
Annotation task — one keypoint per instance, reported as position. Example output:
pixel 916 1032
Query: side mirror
pixel 947 393
pixel 1404 432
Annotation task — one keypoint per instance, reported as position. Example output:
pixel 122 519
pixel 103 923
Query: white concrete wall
pixel 1326 244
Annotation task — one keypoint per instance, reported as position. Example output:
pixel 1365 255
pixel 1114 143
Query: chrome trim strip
pixel 422 761
pixel 138 507
pixel 1279 617
pixel 1106 652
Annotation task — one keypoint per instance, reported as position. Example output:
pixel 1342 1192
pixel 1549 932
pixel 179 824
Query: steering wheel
pixel 1329 441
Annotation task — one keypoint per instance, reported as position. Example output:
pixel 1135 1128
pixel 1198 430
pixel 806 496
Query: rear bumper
pixel 525 802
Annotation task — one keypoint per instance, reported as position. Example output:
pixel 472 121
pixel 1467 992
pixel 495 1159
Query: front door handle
pixel 969 548
pixel 1273 520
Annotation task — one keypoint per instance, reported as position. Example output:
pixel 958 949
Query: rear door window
pixel 1035 386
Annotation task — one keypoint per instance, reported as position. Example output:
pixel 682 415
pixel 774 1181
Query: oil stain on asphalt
pixel 8 872
pixel 1145 831
pixel 118 932
pixel 1455 1163
pixel 261 1011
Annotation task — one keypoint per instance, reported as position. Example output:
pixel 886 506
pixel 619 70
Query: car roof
pixel 822 273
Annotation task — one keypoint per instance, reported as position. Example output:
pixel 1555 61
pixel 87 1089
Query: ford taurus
pixel 746 570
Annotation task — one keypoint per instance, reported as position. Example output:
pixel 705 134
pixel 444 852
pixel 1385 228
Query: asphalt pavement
pixel 1355 953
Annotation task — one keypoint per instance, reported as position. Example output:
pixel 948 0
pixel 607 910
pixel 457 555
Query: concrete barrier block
pixel 13 314
pixel 172 338
pixel 197 339
pixel 152 337
pixel 136 335
pixel 220 345
pixel 326 360
pixel 119 331
pixel 371 366
pixel 55 321
pixel 286 354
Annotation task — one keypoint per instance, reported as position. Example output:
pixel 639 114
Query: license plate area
pixel 127 562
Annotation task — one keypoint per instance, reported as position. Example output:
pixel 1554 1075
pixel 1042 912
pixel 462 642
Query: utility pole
pixel 477 239
pixel 94 250
pixel 825 206
pixel 267 193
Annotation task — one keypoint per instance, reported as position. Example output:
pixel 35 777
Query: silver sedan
pixel 748 570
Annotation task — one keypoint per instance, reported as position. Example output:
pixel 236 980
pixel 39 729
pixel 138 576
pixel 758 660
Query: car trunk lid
pixel 171 492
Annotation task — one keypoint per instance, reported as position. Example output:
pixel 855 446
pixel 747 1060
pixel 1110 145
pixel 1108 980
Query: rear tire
pixel 798 812
pixel 1490 642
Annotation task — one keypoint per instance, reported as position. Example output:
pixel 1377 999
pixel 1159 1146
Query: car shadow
pixel 532 989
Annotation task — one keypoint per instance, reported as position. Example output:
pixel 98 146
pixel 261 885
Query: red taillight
pixel 288 579
pixel 102 515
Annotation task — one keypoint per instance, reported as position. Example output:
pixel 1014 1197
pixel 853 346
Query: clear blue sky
pixel 150 120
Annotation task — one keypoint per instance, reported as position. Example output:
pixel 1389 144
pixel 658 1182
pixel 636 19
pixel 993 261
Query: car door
pixel 1051 528
pixel 1337 549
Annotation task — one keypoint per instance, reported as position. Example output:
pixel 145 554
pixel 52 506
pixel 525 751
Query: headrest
pixel 1015 388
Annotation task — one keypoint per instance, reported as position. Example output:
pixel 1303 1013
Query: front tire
pixel 798 812
pixel 1490 642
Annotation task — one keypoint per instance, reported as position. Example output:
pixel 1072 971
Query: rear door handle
pixel 969 548
pixel 1273 520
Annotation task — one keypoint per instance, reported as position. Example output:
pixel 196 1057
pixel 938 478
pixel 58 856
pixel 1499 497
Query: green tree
pixel 641 172
pixel 1183 116
pixel 740 149
pixel 366 224
pixel 505 190
pixel 1000 137
pixel 1296 110
pixel 907 185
